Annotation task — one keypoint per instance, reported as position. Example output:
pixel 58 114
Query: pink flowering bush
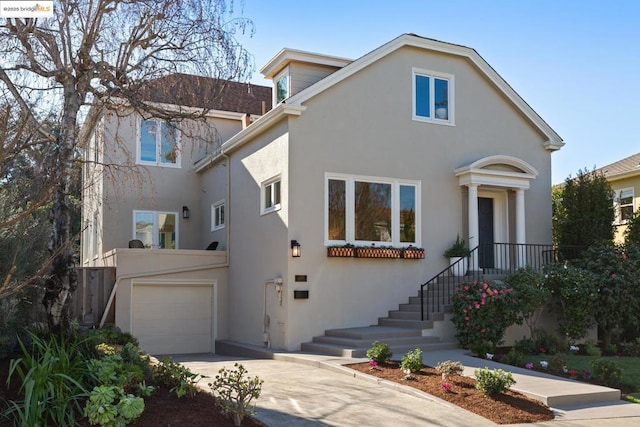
pixel 482 312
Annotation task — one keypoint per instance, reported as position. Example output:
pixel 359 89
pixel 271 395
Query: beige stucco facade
pixel 362 126
pixel 349 119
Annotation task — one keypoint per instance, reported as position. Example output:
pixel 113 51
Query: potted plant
pixel 456 252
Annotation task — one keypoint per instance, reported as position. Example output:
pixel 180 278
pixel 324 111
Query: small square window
pixel 432 97
pixel 271 196
pixel 217 215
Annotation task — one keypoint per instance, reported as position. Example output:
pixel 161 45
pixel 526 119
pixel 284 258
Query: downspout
pixel 150 273
pixel 227 214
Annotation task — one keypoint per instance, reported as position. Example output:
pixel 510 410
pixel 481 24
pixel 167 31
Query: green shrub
pixel 493 382
pixel 547 342
pixel 531 294
pixel 412 361
pixel 610 350
pixel 234 392
pixel 526 346
pixel 557 363
pixel 514 358
pixel 630 349
pixel 181 380
pixel 592 349
pixel 574 293
pixel 52 372
pixel 379 352
pixel 112 370
pixel 481 349
pixel 109 406
pixel 482 312
pixel 449 368
pixel 606 372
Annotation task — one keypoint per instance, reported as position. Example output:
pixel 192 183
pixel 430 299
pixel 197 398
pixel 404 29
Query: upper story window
pixel 217 215
pixel 282 87
pixel 156 229
pixel 433 97
pixel 270 195
pixel 158 143
pixel 624 205
pixel 364 210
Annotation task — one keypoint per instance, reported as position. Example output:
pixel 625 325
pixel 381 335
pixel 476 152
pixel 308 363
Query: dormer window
pixel 282 87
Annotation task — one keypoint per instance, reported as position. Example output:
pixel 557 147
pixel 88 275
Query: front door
pixel 485 232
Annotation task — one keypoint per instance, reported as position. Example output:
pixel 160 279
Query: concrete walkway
pixel 315 390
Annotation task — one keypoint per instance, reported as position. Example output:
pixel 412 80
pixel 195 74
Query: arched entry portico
pixel 488 181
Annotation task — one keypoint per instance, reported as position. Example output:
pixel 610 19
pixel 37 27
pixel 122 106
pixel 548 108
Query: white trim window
pixel 624 206
pixel 217 215
pixel 432 96
pixel 158 143
pixel 270 196
pixel 371 210
pixel 281 87
pixel 158 230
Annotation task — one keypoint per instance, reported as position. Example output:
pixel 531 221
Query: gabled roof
pixel 286 55
pixel 554 141
pixel 628 166
pixel 294 104
pixel 205 92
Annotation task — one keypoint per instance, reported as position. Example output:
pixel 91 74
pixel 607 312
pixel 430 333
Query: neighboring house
pixel 409 145
pixel 624 178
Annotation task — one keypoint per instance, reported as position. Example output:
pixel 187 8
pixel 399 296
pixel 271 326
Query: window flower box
pixel 350 251
pixel 373 252
pixel 341 251
pixel 413 253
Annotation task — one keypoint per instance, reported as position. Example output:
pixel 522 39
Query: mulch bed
pixel 507 408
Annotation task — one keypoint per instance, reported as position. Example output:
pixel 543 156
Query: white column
pixel 473 222
pixel 520 227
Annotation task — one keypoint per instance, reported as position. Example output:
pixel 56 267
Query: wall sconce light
pixel 295 249
pixel 185 212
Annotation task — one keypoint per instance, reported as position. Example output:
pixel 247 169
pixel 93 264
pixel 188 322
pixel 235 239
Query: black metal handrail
pixel 486 260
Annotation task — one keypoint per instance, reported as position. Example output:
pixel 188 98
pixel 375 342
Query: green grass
pixel 630 366
pixel 635 398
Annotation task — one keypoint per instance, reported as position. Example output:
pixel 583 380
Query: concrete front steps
pixel 403 329
pixel 354 342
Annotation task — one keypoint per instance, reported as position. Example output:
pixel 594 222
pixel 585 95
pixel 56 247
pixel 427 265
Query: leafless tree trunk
pixel 92 52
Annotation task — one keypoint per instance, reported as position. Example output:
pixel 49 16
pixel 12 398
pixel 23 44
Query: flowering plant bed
pixel 506 408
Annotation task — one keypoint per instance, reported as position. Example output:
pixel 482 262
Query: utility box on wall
pixel 300 294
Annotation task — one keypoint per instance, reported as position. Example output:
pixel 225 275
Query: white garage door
pixel 173 319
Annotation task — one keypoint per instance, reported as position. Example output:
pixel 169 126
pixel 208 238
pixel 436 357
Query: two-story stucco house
pixel 407 146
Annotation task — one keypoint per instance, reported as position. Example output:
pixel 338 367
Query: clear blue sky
pixel 577 63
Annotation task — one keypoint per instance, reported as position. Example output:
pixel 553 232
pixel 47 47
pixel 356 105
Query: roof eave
pixel 256 128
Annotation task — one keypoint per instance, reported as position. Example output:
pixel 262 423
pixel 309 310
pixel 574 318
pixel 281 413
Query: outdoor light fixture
pixel 295 249
pixel 185 212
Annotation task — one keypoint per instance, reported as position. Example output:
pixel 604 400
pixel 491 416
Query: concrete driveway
pixel 297 394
